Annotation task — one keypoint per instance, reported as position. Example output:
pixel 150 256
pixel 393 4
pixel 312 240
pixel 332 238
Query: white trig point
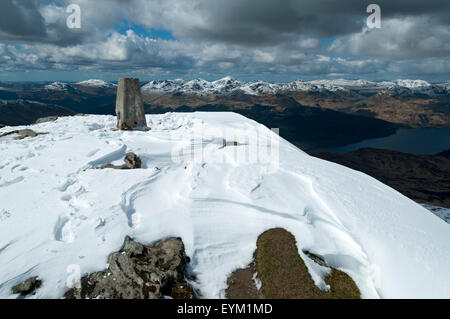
pixel 130 105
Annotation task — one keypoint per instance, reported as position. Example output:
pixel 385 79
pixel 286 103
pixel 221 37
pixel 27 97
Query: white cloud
pixel 249 38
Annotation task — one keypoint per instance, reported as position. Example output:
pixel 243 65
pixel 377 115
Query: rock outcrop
pixel 139 272
pixel 132 161
pixel 27 287
pixel 46 119
pixel 282 273
pixel 21 134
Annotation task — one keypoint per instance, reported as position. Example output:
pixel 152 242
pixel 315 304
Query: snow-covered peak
pixel 411 84
pixel 163 85
pixel 96 83
pixel 412 87
pixel 20 101
pixel 217 199
pixel 57 86
pixel 228 85
pixel 344 83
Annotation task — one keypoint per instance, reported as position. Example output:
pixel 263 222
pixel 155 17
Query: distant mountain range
pixel 310 114
pixel 229 85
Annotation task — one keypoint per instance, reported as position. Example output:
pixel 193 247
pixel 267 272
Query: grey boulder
pixel 139 272
pixel 27 287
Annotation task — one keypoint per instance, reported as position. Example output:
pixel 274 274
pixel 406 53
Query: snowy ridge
pixel 218 203
pixel 96 83
pixel 19 101
pixel 412 87
pixel 57 86
pixel 63 86
pixel 229 85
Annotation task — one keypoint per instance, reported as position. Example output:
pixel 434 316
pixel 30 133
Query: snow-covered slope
pixel 57 86
pixel 59 210
pixel 96 83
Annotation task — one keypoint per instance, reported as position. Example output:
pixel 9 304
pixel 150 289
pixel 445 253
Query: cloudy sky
pixel 272 40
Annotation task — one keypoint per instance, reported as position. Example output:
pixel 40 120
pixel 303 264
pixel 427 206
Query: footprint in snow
pixel 63 231
pixel 12 182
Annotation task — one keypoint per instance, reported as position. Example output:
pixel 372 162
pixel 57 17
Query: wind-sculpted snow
pixel 59 211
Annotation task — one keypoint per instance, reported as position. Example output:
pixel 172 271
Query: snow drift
pixel 59 212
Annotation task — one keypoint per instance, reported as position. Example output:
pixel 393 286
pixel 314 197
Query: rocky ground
pixel 158 271
pixel 139 272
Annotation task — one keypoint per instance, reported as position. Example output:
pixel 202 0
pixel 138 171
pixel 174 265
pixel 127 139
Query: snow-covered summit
pixel 345 83
pixel 96 83
pixel 57 86
pixel 218 200
pixel 412 87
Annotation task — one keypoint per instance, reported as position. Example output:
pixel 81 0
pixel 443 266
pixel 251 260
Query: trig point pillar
pixel 129 105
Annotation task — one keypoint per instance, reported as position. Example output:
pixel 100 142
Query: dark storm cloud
pixel 21 20
pixel 228 36
pixel 259 22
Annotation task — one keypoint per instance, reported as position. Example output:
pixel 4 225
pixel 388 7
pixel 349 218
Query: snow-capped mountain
pixel 57 86
pixel 412 87
pixel 345 83
pixel 92 83
pixel 229 85
pixel 96 83
pixel 217 199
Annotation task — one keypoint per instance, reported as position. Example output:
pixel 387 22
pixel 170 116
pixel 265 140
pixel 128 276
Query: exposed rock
pixel 139 272
pixel 21 134
pixel 46 119
pixel 132 161
pixel 233 143
pixel 182 291
pixel 54 118
pixel 27 287
pixel 2 125
pixel 284 275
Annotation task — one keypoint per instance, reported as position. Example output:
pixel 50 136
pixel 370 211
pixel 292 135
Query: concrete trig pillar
pixel 129 105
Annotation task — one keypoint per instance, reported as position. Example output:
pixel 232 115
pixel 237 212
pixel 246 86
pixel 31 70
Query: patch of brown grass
pixel 284 275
